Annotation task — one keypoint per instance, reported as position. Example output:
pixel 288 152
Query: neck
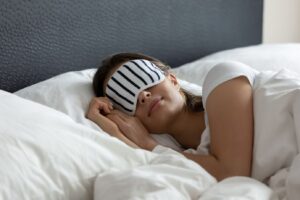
pixel 187 128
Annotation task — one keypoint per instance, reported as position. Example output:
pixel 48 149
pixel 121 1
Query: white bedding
pixel 59 154
pixel 277 132
pixel 47 155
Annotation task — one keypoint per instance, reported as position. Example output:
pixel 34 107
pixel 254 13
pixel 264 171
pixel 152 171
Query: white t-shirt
pixel 217 75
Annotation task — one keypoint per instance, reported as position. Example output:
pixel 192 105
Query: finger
pixel 101 104
pixel 106 109
pixel 100 101
pixel 110 104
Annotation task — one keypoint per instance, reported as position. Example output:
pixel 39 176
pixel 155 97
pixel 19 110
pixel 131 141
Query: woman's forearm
pixel 210 164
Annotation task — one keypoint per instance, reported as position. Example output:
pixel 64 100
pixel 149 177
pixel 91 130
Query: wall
pixel 281 21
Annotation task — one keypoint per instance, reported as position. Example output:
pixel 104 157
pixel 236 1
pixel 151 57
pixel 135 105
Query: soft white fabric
pixel 182 181
pixel 277 131
pixel 72 92
pixel 166 177
pixel 239 188
pixel 69 93
pixel 263 57
pixel 260 57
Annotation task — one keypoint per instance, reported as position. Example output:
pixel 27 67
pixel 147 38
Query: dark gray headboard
pixel 43 38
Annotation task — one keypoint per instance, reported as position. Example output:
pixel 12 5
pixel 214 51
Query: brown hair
pixel 193 102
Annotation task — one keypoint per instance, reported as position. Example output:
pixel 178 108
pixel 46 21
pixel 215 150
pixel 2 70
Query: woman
pixel 148 99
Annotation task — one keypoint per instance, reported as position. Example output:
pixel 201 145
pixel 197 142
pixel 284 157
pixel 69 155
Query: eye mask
pixel 129 80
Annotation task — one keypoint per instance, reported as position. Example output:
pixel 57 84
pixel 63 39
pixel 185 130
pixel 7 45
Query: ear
pixel 173 80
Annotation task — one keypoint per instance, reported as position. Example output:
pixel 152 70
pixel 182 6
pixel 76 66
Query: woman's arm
pixel 230 115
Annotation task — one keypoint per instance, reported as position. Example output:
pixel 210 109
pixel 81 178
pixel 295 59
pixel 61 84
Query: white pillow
pixel 260 57
pixel 46 155
pixel 71 93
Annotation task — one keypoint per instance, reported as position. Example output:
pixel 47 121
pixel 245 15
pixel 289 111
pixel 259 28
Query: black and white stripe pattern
pixel 129 80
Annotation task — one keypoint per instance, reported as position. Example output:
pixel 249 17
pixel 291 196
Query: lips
pixel 153 103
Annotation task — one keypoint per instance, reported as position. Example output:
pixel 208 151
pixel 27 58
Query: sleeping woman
pixel 137 95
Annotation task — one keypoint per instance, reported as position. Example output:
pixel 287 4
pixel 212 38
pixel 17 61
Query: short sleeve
pixel 225 71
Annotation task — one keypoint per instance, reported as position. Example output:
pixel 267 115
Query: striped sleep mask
pixel 129 80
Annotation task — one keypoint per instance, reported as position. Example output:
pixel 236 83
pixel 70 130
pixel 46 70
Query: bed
pixel 48 54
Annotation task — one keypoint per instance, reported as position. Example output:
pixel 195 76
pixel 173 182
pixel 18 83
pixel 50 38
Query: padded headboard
pixel 43 38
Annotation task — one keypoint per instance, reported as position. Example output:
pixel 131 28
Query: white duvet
pixel 276 158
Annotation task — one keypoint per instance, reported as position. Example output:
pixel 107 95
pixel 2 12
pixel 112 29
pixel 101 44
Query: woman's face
pixel 158 105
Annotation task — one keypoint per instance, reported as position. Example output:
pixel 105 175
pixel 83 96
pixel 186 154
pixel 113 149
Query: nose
pixel 144 96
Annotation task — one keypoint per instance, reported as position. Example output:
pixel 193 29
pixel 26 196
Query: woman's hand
pixel 99 108
pixel 98 112
pixel 133 129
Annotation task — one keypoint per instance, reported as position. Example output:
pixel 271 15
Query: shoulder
pixel 230 91
pixel 224 72
pixel 228 69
